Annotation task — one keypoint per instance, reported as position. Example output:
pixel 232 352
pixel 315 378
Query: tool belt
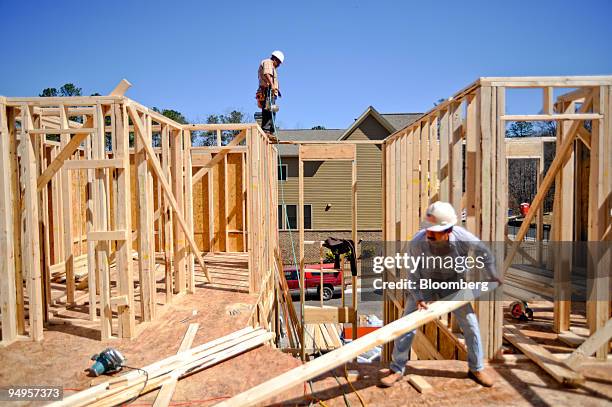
pixel 261 95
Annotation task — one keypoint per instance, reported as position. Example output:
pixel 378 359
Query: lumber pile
pixel 134 383
pixel 321 337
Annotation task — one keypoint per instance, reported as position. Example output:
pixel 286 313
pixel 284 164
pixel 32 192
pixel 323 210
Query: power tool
pixel 110 360
pixel 520 311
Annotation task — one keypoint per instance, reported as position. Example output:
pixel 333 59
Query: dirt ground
pixel 63 356
pixel 61 360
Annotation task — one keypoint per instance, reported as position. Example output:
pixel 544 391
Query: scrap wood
pixel 542 357
pixel 419 383
pixel 122 388
pixel 164 397
pixel 331 360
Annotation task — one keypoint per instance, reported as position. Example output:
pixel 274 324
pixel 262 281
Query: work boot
pixel 481 378
pixel 390 378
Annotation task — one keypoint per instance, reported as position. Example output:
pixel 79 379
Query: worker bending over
pixel 268 89
pixel 441 237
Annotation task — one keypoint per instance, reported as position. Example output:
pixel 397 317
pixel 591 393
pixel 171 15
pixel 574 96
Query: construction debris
pixel 133 384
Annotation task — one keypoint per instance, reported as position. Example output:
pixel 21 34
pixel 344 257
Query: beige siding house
pixel 327 185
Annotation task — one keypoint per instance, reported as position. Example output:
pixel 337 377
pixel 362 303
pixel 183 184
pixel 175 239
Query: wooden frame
pixel 78 203
pixel 481 133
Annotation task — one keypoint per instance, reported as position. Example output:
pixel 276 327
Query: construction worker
pixel 440 236
pixel 268 89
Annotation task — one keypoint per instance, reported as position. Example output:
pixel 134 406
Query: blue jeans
pixel 468 322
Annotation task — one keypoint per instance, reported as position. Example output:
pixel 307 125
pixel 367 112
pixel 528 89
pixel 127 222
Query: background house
pixel 327 193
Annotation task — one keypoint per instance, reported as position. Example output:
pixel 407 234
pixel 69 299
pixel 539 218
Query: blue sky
pixel 201 57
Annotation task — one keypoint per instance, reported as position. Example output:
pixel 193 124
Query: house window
pixel 281 221
pixel 288 219
pixel 291 217
pixel 282 172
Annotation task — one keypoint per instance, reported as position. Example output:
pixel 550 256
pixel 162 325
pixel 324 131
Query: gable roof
pixel 390 121
pixel 401 120
pixel 370 111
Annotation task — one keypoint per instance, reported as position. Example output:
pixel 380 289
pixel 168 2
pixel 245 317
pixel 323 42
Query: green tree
pixel 520 129
pixel 172 114
pixel 68 89
pixel 209 138
pixel 318 127
pixel 48 92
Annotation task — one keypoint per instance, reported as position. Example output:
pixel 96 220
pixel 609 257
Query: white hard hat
pixel 443 214
pixel 279 55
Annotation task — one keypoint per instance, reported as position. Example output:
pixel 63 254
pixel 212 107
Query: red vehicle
pixel 332 279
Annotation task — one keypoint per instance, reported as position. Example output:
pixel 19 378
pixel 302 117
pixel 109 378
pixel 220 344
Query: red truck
pixel 332 279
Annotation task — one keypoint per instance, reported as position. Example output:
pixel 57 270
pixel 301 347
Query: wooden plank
pixel 17 215
pixel 327 314
pixel 92 164
pixel 118 301
pixel 8 298
pixel 594 342
pixel 66 208
pixel 146 245
pixel 598 226
pixel 297 376
pixel 167 216
pixel 543 358
pixel 167 190
pixel 31 237
pixel 108 235
pixel 419 383
pixel 123 220
pixel 180 248
pixel 100 216
pixel 558 116
pixel 301 251
pixel 324 152
pixel 189 207
pixel 121 88
pixel 164 397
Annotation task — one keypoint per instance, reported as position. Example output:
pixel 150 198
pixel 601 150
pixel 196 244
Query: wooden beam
pixel 8 298
pixel 108 235
pixel 100 217
pixel 264 391
pixel 180 248
pixel 93 164
pixel 590 345
pixel 121 88
pixel 146 244
pixel 31 246
pixel 167 190
pixel 325 152
pixel 328 314
pixel 543 358
pixel 558 116
pixel 219 156
pixel 62 156
pixel 123 220
pixel 164 397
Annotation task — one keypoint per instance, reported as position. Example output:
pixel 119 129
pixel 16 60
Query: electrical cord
pixel 144 386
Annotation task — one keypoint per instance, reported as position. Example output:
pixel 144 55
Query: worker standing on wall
pixel 268 89
pixel 441 237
